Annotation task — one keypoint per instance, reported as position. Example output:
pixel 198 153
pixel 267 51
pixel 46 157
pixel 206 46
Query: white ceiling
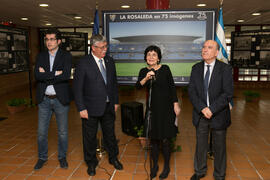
pixel 60 13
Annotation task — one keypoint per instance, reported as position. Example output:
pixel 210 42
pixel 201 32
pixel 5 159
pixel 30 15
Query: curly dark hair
pixel 155 49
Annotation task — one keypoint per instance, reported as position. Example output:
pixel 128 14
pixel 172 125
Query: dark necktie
pixel 206 80
pixel 103 71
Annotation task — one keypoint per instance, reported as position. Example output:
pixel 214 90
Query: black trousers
pixel 89 131
pixel 219 149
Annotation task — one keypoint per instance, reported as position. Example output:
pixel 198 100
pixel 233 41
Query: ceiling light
pixel 43 5
pixel 240 20
pixel 125 6
pixel 24 19
pixel 92 23
pixel 256 14
pixel 48 24
pixel 201 5
pixel 78 17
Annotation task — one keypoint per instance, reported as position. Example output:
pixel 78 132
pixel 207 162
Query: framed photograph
pixel 3 42
pixel 77 44
pixel 242 43
pixel 241 55
pixel 265 43
pixel 21 60
pixel 19 42
pixel 12 65
pixel 76 56
pixel 265 58
pixel 4 62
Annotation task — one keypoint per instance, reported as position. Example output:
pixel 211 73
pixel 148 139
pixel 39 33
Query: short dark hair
pixel 53 31
pixel 155 49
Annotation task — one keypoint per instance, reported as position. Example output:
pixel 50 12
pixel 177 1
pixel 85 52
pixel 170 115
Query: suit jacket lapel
pixel 106 61
pixel 47 62
pixel 214 73
pixel 201 75
pixel 95 66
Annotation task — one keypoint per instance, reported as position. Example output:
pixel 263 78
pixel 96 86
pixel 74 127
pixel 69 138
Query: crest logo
pixel 112 17
pixel 202 16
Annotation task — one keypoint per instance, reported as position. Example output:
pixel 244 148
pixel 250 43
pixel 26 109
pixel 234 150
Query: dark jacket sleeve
pixel 49 77
pixel 115 84
pixel 141 75
pixel 78 84
pixel 193 90
pixel 222 101
pixel 171 85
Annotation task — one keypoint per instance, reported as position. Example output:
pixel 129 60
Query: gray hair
pixel 97 38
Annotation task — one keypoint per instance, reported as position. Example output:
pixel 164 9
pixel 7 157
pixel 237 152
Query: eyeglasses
pixel 102 47
pixel 51 39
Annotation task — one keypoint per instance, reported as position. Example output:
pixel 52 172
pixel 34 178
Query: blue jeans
pixel 45 110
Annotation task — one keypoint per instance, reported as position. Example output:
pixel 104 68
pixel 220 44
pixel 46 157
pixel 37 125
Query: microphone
pixel 153 76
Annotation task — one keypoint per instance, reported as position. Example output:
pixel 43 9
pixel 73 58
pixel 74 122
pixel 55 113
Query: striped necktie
pixel 103 71
pixel 206 80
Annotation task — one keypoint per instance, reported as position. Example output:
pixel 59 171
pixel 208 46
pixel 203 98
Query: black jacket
pixel 90 90
pixel 63 62
pixel 220 93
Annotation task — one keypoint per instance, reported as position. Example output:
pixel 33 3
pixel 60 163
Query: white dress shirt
pixel 211 70
pixel 50 89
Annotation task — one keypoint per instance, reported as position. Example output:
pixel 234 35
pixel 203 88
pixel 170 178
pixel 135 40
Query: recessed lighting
pixel 24 19
pixel 125 6
pixel 77 17
pixel 43 5
pixel 240 20
pixel 48 24
pixel 256 14
pixel 201 5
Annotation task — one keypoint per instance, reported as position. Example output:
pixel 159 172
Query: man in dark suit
pixel 210 91
pixel 96 97
pixel 52 73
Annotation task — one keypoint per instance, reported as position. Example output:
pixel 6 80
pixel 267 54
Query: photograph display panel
pixel 265 58
pixel 251 49
pixel 4 60
pixel 265 43
pixel 19 42
pixel 14 53
pixel 3 41
pixel 179 34
pixel 242 43
pixel 20 59
pixel 77 44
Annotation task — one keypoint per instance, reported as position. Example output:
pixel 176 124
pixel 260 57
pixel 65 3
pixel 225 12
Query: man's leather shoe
pixel 153 172
pixel 63 163
pixel 39 164
pixel 117 165
pixel 91 170
pixel 164 173
pixel 196 177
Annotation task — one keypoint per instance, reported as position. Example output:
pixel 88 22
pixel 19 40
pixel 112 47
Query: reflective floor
pixel 248 144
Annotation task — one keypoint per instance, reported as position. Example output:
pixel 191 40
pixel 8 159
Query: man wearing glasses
pixel 52 73
pixel 96 97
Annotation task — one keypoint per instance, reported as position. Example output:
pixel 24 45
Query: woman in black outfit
pixel 164 107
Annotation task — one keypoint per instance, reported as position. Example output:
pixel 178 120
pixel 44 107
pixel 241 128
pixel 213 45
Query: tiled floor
pixel 248 145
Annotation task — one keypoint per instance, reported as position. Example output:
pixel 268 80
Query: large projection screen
pixel 180 35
